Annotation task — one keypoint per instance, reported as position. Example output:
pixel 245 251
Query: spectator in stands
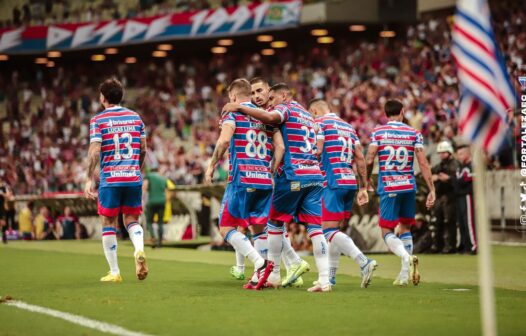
pixel 69 224
pixel 445 207
pixel 25 222
pixel 463 182
pixel 45 229
pixel 5 196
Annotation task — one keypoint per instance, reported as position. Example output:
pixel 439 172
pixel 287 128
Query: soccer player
pixel 259 95
pixel 298 184
pixel 340 150
pixel 249 190
pixel 118 146
pixel 396 145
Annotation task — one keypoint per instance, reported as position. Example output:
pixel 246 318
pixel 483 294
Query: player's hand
pixel 434 178
pixel 430 200
pixel 230 107
pixel 443 177
pixel 209 175
pixel 88 190
pixel 363 197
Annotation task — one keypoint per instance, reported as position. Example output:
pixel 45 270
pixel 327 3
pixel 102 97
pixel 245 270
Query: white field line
pixel 76 319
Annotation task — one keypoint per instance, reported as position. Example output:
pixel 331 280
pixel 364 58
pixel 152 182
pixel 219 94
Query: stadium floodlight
pixel 357 28
pixel 54 54
pixel 319 32
pixel 268 52
pixel 326 40
pixel 387 33
pixel 41 60
pixel 265 38
pixel 159 53
pixel 50 64
pixel 4 57
pixel 225 42
pixel 278 44
pixel 165 47
pixel 111 51
pixel 219 50
pixel 130 60
pixel 98 57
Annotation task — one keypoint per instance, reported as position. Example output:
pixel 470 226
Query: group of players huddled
pixel 287 163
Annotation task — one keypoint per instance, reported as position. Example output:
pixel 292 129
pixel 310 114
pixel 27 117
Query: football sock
pixel 407 240
pixel 136 236
pixel 261 244
pixel 289 255
pixel 241 243
pixel 240 262
pixel 397 247
pixel 275 244
pixel 321 252
pixel 345 245
pixel 109 244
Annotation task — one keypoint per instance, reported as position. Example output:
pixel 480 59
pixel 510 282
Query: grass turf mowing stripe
pixel 76 319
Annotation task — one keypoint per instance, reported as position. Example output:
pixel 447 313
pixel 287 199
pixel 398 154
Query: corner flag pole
pixel 485 265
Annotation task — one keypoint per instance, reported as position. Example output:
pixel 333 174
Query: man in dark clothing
pixel 5 194
pixel 463 182
pixel 445 207
pixel 70 224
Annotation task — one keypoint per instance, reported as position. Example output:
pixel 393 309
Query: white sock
pixel 240 262
pixel 334 260
pixel 136 236
pixel 397 247
pixel 321 252
pixel 346 246
pixel 241 244
pixel 261 244
pixel 275 245
pixel 290 256
pixel 109 244
pixel 407 240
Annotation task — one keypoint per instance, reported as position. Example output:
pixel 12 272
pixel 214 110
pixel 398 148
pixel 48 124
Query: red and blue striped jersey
pixel 250 151
pixel 339 145
pixel 299 135
pixel 119 130
pixel 396 143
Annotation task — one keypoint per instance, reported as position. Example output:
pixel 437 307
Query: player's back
pixel 299 135
pixel 120 131
pixel 337 157
pixel 396 143
pixel 250 151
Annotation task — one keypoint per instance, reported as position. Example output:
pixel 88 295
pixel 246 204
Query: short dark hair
pixel 462 146
pixel 256 80
pixel 315 101
pixel 393 107
pixel 241 86
pixel 112 90
pixel 280 87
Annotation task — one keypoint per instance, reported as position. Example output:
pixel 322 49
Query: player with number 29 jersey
pixel 396 143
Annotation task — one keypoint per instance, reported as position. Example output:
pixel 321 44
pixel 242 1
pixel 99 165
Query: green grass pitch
pixel 190 292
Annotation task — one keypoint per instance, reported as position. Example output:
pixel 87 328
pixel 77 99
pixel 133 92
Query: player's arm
pixel 369 159
pixel 143 152
pixel 360 167
pixel 227 131
pixel 279 150
pixel 272 117
pixel 426 173
pixel 93 163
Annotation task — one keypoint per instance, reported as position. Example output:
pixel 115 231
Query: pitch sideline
pixel 76 319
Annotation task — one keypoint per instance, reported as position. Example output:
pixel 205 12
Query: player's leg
pixel 108 209
pixel 284 204
pixel 159 210
pixel 389 218
pixel 310 213
pixel 290 259
pixel 131 207
pixel 233 209
pixel 407 215
pixel 238 270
